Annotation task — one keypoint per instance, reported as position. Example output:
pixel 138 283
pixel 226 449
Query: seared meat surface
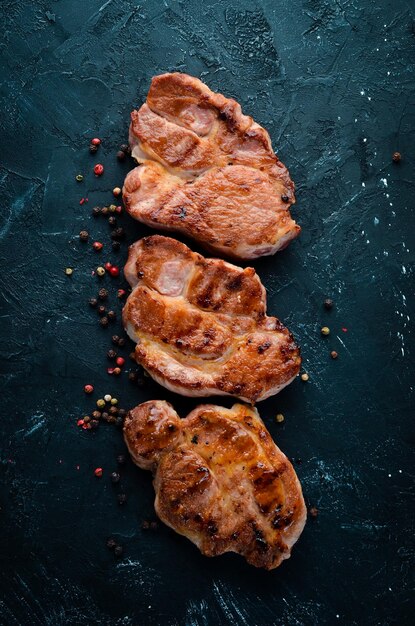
pixel 201 326
pixel 220 480
pixel 207 171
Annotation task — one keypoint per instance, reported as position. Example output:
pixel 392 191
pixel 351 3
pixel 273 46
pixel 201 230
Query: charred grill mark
pixel 263 347
pixel 235 283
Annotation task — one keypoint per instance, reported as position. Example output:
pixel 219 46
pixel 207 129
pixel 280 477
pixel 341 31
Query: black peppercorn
pixel 105 416
pixel 396 157
pixel 104 321
pixel 284 198
pixel 119 421
pixel 94 423
pixel 113 410
pixel 101 310
pixel 111 419
pixel 121 155
pixel 122 412
pixel 96 211
pixel 132 377
pixel 115 477
pixel 118 233
pixel 105 210
pixel 115 339
pixel 93 148
pixel 121 342
pixel 112 220
pixel 122 498
pixel 118 550
pixel 96 415
pixel 87 419
pixel 121 459
pixel 111 543
pixel 328 304
pixel 116 246
pixel 125 148
pixel 111 354
pixel 103 294
pixel 84 235
pixel 93 302
pixel 112 315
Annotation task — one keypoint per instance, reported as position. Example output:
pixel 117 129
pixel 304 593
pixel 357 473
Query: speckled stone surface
pixel 333 82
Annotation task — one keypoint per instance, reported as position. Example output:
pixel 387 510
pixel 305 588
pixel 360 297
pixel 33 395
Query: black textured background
pixel 333 82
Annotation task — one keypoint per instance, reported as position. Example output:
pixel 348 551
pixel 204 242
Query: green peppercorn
pixel 79 178
pixel 69 271
pixel 114 401
pixel 280 418
pixel 325 331
pixel 100 271
pixel 101 403
pixel 112 208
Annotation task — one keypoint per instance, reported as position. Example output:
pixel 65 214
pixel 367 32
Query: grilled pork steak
pixel 207 171
pixel 220 480
pixel 201 326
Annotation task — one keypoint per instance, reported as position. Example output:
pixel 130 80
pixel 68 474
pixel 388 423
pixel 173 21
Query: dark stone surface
pixel 333 82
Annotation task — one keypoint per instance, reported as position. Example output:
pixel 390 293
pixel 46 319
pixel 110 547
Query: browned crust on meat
pixel 220 480
pixel 201 326
pixel 203 157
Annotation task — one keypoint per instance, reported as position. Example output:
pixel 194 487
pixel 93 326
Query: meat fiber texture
pixel 201 326
pixel 220 480
pixel 208 171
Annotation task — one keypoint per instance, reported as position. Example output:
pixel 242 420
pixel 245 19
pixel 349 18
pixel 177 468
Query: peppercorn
pixel 111 543
pixel 88 388
pixel 105 416
pixel 118 209
pixel 112 208
pixel 112 220
pixel 304 377
pixel 104 321
pixel 116 246
pixel 118 233
pixel 117 371
pixel 112 315
pixel 122 498
pixel 69 271
pixel 121 459
pixel 121 342
pixel 313 511
pixel 120 361
pixel 93 302
pixel 284 197
pixel 95 141
pixel 101 310
pixel 94 423
pixel 111 419
pixel 280 418
pixel 104 210
pixel 111 354
pixel 118 550
pixel 98 472
pixel 119 421
pixel 125 148
pixel 114 271
pixel 96 415
pixel 97 246
pixel 132 377
pixel 121 293
pixel 115 339
pixel 96 211
pixel 84 235
pixel 79 178
pixel 93 148
pixel 113 410
pixel 116 191
pixel 328 304
pixel 101 403
pixel 396 157
pixel 325 331
pixel 86 419
pixel 100 271
pixel 114 401
pixel 107 397
pixel 334 354
pixel 115 477
pixel 120 155
pixel 98 169
pixel 122 412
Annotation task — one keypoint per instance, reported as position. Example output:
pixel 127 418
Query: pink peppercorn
pixel 98 169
